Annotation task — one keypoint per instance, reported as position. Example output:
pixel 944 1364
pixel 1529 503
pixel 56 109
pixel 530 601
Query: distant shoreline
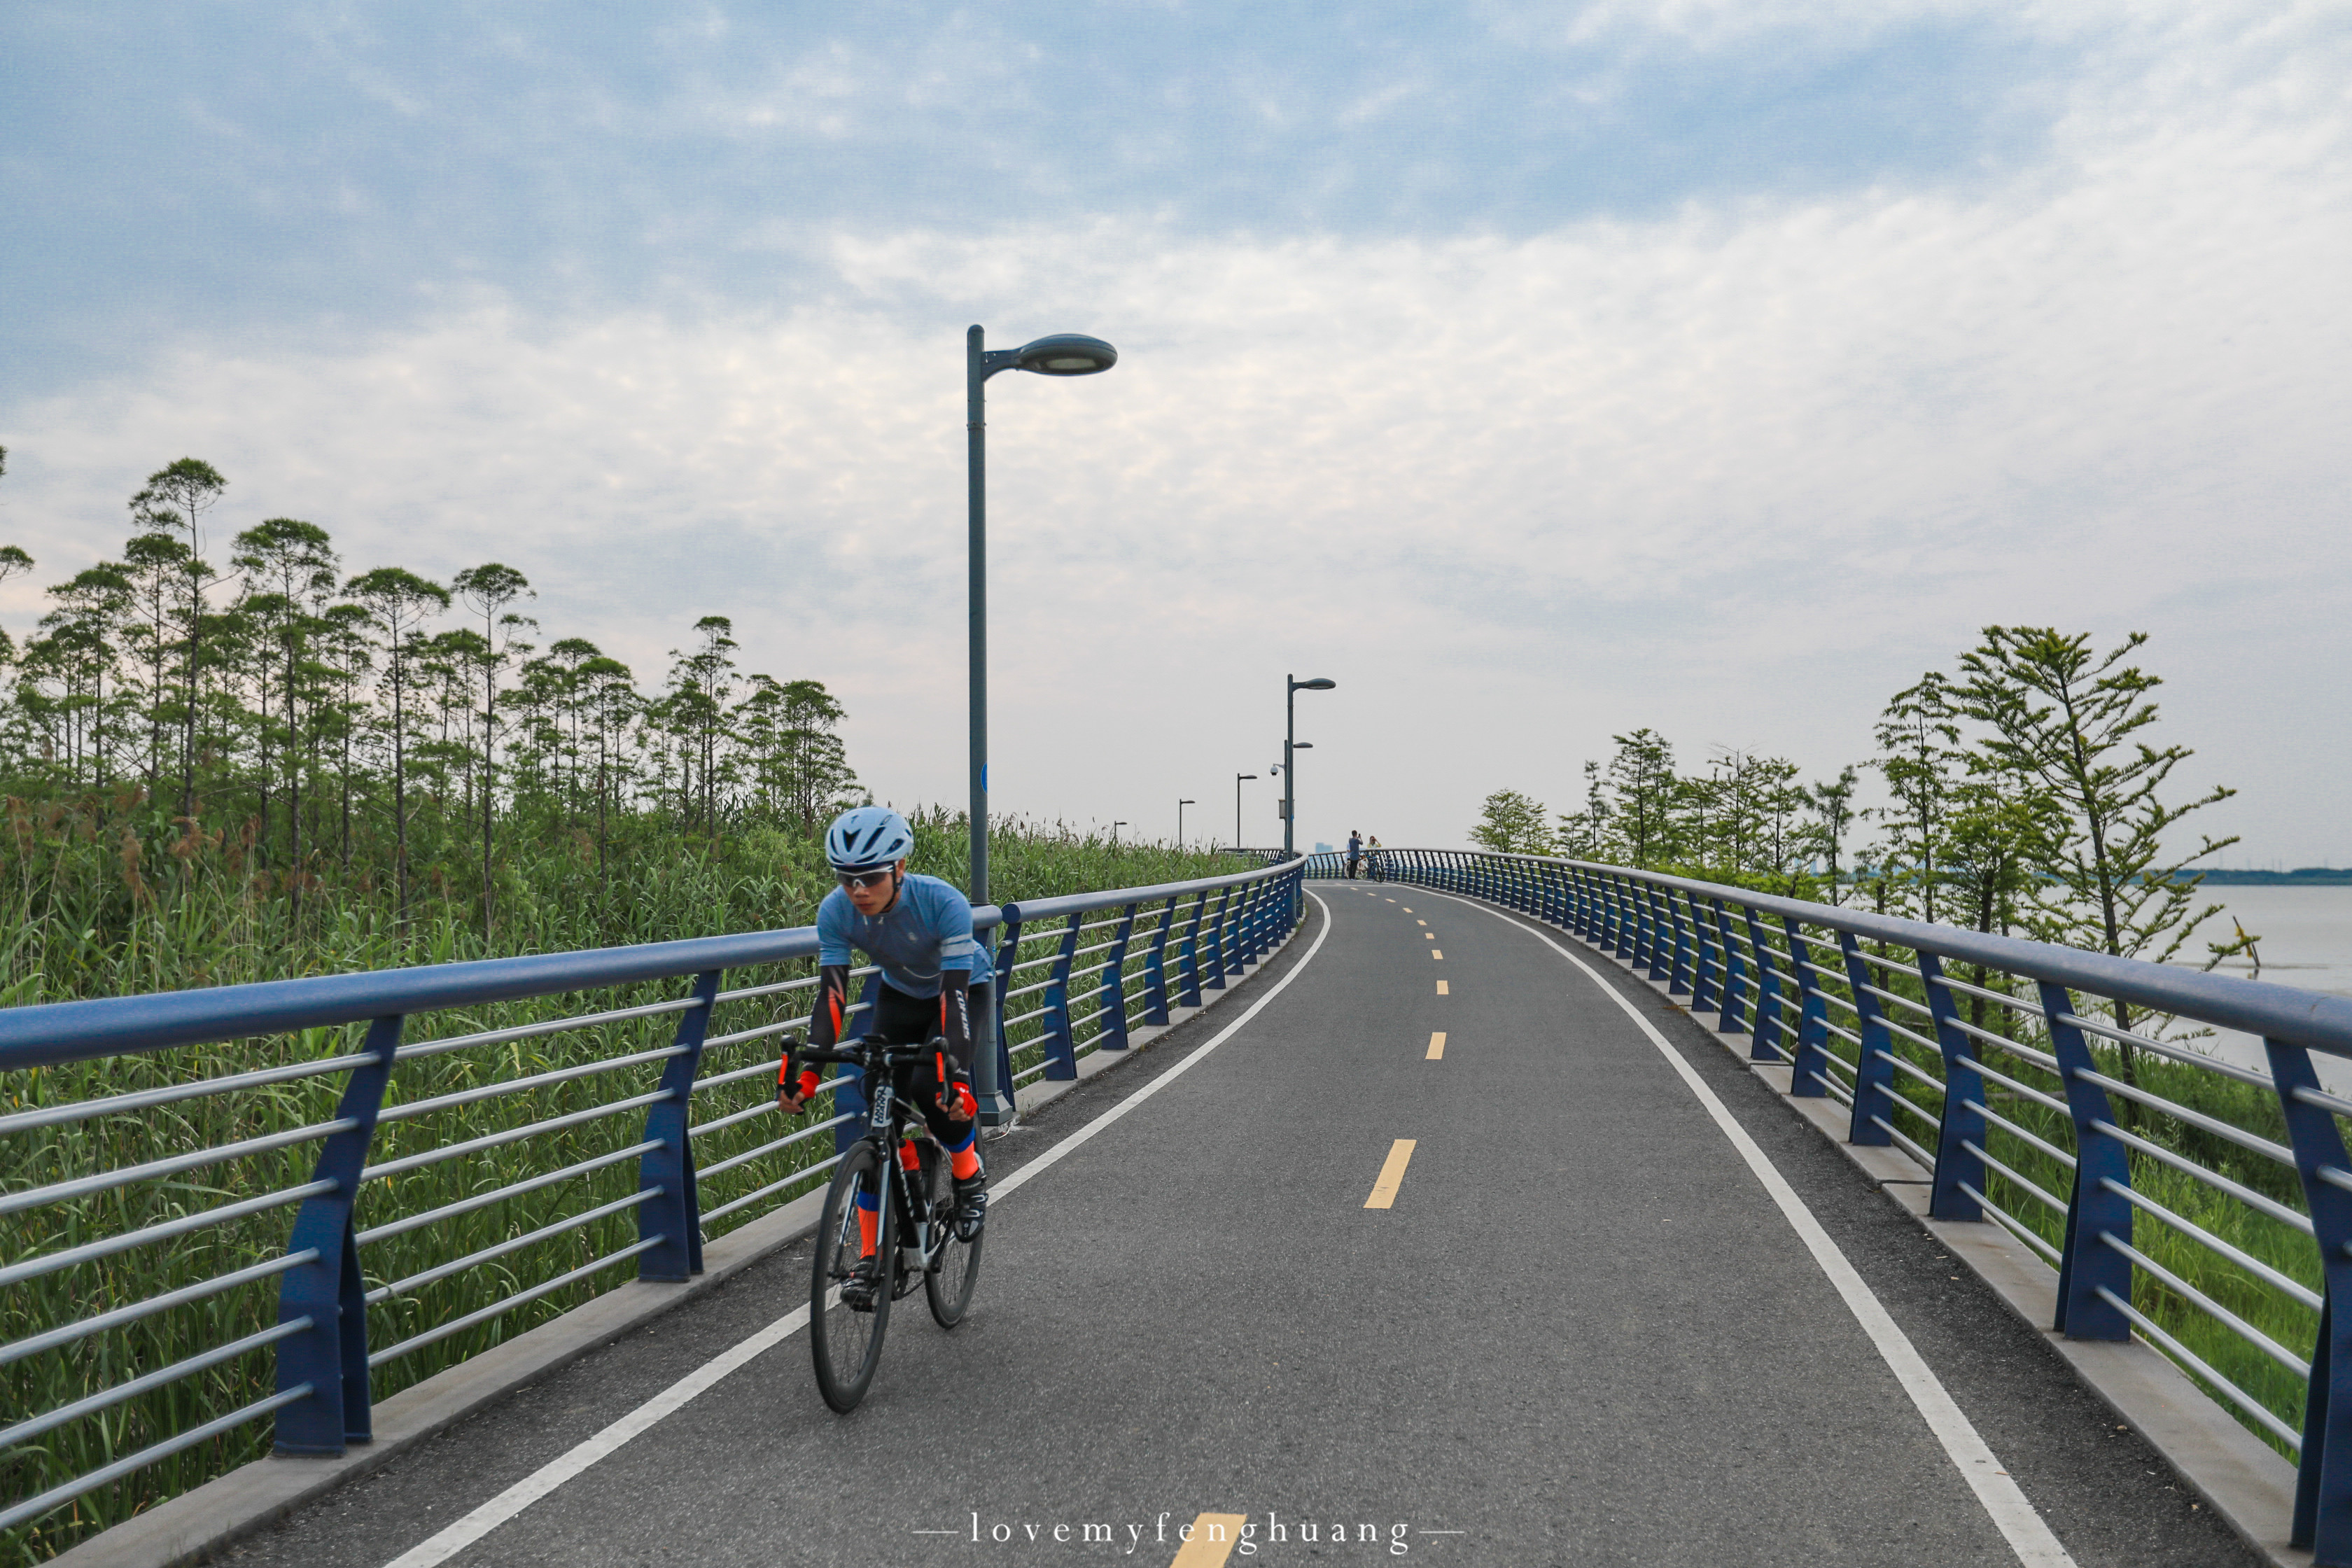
pixel 2306 877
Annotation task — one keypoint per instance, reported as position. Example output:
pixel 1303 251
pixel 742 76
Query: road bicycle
pixel 899 1164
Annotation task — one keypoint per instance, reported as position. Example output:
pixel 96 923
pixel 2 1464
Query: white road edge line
pixel 454 1538
pixel 2020 1523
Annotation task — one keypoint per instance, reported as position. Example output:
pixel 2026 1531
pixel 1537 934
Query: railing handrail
pixel 2312 1019
pixel 50 1032
pixel 1027 911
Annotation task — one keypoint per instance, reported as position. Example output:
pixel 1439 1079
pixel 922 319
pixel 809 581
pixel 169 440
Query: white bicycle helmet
pixel 865 838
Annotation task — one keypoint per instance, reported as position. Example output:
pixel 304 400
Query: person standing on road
pixel 1372 856
pixel 1355 852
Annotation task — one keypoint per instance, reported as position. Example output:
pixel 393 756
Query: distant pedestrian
pixel 1355 852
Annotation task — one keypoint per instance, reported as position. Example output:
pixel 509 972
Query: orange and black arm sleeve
pixel 824 1025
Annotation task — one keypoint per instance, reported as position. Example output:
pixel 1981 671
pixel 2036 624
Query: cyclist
pixel 917 930
pixel 1373 867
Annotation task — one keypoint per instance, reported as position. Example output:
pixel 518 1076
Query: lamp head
pixel 1066 353
pixel 1238 777
pixel 1320 683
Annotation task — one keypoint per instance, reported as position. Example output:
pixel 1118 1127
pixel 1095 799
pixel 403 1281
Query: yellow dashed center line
pixel 1434 953
pixel 1440 989
pixel 1436 1045
pixel 1429 936
pixel 1384 1190
pixel 1209 1540
pixel 1421 923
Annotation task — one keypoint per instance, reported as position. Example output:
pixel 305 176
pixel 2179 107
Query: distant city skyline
pixel 1536 372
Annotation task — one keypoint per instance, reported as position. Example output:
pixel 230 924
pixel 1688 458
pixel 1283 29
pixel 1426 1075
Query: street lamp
pixel 1293 687
pixel 1113 831
pixel 1237 807
pixel 1180 823
pixel 1065 354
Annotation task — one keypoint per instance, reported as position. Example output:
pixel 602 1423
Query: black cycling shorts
pixel 905 1020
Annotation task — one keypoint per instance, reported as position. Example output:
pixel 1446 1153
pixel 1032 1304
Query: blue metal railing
pixel 2004 1085
pixel 137 1284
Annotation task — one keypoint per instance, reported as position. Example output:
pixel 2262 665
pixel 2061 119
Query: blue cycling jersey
pixel 925 934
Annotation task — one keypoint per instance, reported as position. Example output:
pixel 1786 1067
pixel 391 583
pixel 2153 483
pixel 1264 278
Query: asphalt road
pixel 1581 1334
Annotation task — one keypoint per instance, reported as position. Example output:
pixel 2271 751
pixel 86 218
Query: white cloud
pixel 1739 472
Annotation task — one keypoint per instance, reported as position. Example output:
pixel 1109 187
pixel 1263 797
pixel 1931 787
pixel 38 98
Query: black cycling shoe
pixel 971 1205
pixel 857 1291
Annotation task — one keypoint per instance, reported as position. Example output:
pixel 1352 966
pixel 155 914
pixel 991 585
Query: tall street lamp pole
pixel 1113 831
pixel 1180 823
pixel 1237 807
pixel 1293 687
pixel 1066 353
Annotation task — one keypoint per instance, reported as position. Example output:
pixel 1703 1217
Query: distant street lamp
pixel 1180 823
pixel 1114 830
pixel 1237 807
pixel 1293 687
pixel 1065 354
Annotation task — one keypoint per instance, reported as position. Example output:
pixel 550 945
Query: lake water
pixel 2307 942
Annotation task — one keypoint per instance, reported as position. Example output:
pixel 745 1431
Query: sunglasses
pixel 865 879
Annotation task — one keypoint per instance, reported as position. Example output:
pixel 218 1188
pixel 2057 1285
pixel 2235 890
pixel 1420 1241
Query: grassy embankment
pixel 90 912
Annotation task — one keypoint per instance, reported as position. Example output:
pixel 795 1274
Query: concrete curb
pixel 2238 1475
pixel 191 1527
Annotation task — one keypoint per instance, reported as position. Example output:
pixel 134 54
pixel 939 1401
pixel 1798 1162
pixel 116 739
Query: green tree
pixel 1584 834
pixel 291 564
pixel 488 590
pixel 1512 824
pixel 1832 809
pixel 1643 790
pixel 2071 720
pixel 175 499
pixel 1918 740
pixel 399 603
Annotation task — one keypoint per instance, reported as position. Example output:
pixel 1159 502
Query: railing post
pixel 676 1217
pixel 1962 1121
pixel 1188 960
pixel 1208 952
pixel 1008 952
pixel 330 1355
pixel 1627 923
pixel 1706 983
pixel 1678 974
pixel 1735 976
pixel 1808 1074
pixel 2089 1266
pixel 1873 1076
pixel 1650 953
pixel 1114 991
pixel 1061 1040
pixel 1660 902
pixel 1764 1045
pixel 2323 1491
pixel 1155 968
pixel 1261 921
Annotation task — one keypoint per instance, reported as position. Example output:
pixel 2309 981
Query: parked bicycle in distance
pixel 901 1169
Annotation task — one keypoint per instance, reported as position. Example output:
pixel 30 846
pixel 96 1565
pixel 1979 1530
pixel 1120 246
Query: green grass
pixel 89 918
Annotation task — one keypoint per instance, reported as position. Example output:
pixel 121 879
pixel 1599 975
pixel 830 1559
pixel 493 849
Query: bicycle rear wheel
pixel 948 1284
pixel 845 1341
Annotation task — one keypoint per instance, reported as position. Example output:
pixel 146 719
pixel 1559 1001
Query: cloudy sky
pixel 1535 371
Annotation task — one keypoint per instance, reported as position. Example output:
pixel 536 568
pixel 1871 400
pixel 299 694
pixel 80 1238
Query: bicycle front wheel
pixel 845 1336
pixel 956 1265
